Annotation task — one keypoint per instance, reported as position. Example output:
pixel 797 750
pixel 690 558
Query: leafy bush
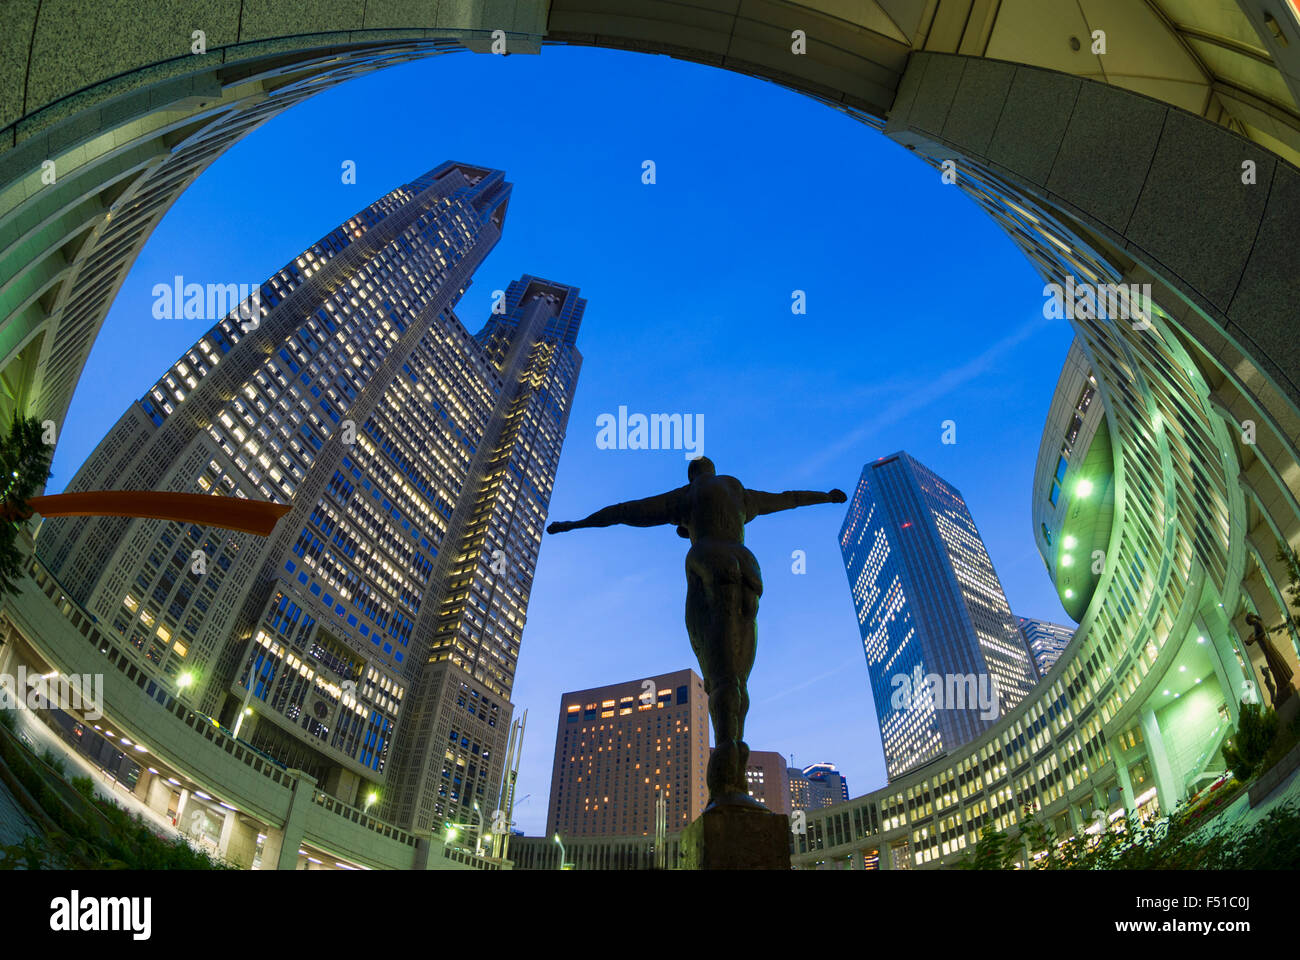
pixel 1282 745
pixel 84 786
pixel 31 854
pixel 1250 743
pixel 92 833
pixel 25 463
pixel 990 852
pixel 56 762
pixel 1177 842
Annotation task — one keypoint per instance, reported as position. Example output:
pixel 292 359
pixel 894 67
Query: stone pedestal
pixel 1287 712
pixel 729 837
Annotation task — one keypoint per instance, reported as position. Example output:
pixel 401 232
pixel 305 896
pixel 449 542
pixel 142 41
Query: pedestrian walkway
pixel 46 738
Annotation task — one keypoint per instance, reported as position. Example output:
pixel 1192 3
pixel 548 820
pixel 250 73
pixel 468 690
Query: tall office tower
pixel 929 605
pixel 828 784
pixel 616 747
pixel 769 783
pixel 418 460
pixel 1046 641
pixel 801 789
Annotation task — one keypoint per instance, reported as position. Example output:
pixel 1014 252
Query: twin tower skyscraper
pixel 372 639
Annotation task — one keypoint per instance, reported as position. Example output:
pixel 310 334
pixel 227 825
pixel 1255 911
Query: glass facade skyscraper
pixel 1046 641
pixel 372 639
pixel 944 655
pixel 828 785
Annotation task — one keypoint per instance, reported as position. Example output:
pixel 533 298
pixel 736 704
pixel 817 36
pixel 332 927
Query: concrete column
pixel 271 848
pixel 343 784
pixel 1229 680
pixel 238 842
pixel 180 809
pixel 159 797
pixel 1077 823
pixel 1167 788
pixel 8 653
pixel 1239 679
pixel 280 852
pixel 141 789
pixel 1100 801
pixel 1125 783
pixel 9 668
pixel 424 850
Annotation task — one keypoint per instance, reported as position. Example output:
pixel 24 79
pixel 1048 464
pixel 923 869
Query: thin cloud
pixel 808 683
pixel 939 387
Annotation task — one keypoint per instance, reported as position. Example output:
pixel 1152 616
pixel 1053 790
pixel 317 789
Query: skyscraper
pixel 944 655
pixel 801 789
pixel 828 784
pixel 372 639
pixel 618 746
pixel 1046 641
pixel 768 781
pixel 816 785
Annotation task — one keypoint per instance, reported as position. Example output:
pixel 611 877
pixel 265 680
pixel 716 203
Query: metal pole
pixel 510 791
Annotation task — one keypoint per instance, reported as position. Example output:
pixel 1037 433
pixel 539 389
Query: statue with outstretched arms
pixel 723 585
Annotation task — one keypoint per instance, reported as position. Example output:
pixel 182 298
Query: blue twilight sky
pixel 919 310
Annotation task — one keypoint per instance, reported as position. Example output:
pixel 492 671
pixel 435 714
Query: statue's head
pixel 700 467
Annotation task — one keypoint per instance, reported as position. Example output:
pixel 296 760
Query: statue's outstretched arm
pixel 759 502
pixel 650 512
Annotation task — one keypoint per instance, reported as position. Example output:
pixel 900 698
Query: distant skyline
pixel 919 310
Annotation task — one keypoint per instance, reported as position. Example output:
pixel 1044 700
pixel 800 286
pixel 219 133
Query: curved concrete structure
pixel 1167 160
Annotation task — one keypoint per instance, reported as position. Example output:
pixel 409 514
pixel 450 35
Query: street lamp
pixel 561 843
pixel 246 712
pixel 478 834
pixel 371 799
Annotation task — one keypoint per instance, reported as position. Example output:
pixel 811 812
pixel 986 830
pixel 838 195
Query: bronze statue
pixel 723 585
pixel 1268 682
pixel 1273 658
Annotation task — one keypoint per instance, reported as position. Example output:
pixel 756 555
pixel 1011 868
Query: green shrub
pixel 1282 745
pixel 990 852
pixel 1250 742
pixel 55 762
pixel 84 786
pixel 25 465
pixel 31 854
pixel 1177 842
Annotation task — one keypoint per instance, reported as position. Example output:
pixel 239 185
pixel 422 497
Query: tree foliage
pixel 1250 742
pixel 24 468
pixel 1185 840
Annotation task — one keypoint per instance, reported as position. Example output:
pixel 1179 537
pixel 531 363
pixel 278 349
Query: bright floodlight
pixel 1083 488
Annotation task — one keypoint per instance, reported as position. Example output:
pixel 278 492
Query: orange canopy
pixel 230 513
